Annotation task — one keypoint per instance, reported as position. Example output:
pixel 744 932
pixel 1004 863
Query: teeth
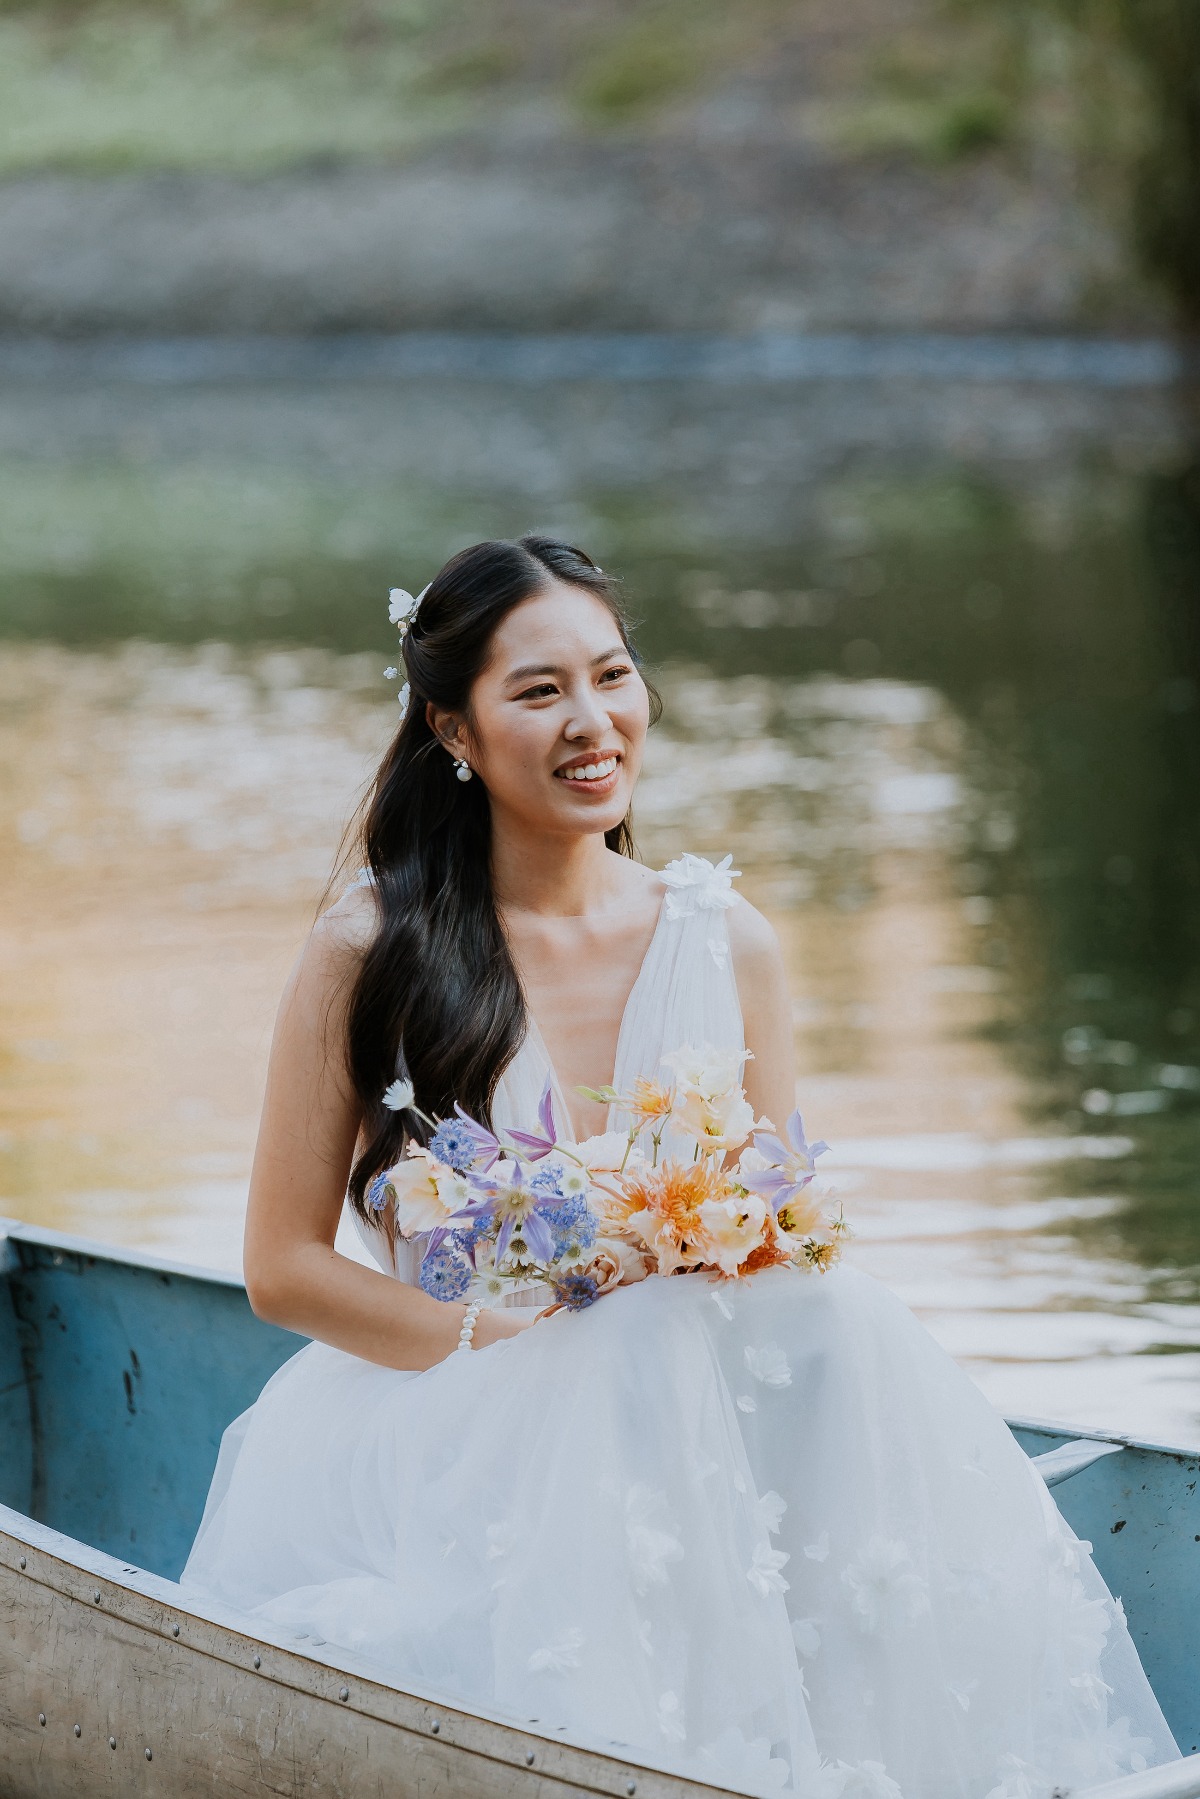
pixel 591 771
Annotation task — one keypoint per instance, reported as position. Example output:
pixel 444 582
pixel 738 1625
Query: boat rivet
pixel 41 1717
pixel 112 1742
pixel 174 1630
pixel 631 1787
pixel 258 1661
pixel 21 1563
pixel 149 1755
pixel 435 1727
pixel 345 1693
pixel 529 1758
pixel 78 1731
pixel 96 1597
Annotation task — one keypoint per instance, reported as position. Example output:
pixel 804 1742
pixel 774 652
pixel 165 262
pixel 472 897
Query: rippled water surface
pixel 930 660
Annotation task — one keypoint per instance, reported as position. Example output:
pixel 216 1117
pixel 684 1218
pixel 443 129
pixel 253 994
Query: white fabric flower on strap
pixel 695 885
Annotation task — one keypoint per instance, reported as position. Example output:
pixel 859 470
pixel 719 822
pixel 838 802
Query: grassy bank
pixel 254 85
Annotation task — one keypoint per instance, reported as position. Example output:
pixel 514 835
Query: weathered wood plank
pixel 137 1669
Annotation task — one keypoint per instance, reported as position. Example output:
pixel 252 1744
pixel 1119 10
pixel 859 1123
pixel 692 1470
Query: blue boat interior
pixel 117 1378
pixel 119 1373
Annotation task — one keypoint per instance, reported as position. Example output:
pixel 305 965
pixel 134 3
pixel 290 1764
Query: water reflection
pixel 171 816
pixel 944 707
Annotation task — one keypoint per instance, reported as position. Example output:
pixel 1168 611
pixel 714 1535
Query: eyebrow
pixel 549 668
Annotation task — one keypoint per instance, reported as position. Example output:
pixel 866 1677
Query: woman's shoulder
pixel 346 928
pixel 756 954
pixel 325 968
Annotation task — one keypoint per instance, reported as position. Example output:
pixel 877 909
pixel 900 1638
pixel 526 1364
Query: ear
pixel 447 728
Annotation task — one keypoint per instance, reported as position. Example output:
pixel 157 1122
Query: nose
pixel 589 716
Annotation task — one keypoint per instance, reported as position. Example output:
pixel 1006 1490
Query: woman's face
pixel 558 716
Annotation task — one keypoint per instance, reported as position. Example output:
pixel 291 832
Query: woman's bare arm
pixel 306 1140
pixel 762 985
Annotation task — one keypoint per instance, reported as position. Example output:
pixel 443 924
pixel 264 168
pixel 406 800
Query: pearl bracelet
pixel 468 1324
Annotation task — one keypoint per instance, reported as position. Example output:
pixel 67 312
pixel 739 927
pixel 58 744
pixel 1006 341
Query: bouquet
pixel 497 1210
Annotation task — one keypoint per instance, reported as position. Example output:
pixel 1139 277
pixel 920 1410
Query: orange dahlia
pixel 769 1254
pixel 675 1192
pixel 650 1101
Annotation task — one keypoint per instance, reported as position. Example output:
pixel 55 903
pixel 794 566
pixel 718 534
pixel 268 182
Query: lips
pixel 589 774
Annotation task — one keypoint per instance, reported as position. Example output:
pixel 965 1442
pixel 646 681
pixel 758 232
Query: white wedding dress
pixel 766 1532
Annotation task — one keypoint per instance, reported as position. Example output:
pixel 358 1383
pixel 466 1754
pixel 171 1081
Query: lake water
pixel 930 652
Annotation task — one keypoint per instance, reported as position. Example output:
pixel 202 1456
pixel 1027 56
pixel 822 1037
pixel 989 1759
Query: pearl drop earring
pixel 461 769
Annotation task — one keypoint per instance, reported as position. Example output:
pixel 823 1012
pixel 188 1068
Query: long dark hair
pixel 437 997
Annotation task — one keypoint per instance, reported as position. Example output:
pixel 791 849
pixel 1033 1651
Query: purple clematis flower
pixel 792 1164
pixel 515 1203
pixel 537 1144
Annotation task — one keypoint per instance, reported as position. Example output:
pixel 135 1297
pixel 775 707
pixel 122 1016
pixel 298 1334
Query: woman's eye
pixel 544 692
pixel 614 674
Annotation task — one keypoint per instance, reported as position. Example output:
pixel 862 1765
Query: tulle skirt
pixel 767 1532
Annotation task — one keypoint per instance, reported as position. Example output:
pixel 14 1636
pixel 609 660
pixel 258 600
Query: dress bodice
pixel 685 994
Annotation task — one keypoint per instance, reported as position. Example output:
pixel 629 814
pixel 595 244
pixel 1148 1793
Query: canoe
pixel 118 1374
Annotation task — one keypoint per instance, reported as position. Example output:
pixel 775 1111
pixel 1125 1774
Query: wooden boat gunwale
pixel 106 1589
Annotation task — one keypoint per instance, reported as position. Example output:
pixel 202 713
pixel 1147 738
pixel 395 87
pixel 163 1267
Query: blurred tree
pixel 1162 38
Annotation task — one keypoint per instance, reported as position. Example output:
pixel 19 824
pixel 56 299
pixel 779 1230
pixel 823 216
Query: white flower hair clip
pixel 402 609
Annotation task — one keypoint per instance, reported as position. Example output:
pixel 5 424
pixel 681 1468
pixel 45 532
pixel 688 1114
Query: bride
pixel 765 1531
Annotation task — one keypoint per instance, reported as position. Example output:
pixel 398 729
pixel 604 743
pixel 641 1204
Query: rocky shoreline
pixel 683 233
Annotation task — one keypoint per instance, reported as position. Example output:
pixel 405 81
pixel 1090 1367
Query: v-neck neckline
pixel 533 1031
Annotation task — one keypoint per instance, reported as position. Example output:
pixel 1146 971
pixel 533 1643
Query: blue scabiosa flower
pixel 377 1193
pixel 471 1233
pixel 575 1291
pixel 547 1180
pixel 444 1273
pixel 455 1145
pixel 573 1226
